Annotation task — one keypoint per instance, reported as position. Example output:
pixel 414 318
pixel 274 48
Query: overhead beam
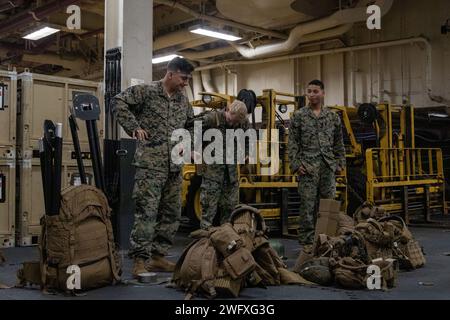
pixel 177 5
pixel 54 59
pixel 22 19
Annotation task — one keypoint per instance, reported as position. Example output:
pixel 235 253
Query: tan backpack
pixel 368 210
pixel 405 248
pixel 351 245
pixel 222 260
pixel 378 239
pixel 81 235
pixel 215 264
pixel 250 226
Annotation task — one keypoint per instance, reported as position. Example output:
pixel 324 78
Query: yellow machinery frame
pixel 402 179
pixel 253 185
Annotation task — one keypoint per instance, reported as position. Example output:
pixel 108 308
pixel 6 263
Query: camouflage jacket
pixel 220 172
pixel 150 108
pixel 313 138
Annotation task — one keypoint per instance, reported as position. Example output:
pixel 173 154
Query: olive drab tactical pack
pixel 80 235
pixel 223 260
pixel 368 210
pixel 351 273
pixel 405 248
pixel 351 244
pixel 317 270
pixel 376 239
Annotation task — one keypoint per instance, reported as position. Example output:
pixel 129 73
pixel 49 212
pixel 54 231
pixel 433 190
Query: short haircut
pixel 317 83
pixel 180 64
pixel 239 109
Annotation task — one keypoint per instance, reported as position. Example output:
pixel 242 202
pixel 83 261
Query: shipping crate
pixel 8 102
pixel 7 199
pixel 45 97
pixel 31 198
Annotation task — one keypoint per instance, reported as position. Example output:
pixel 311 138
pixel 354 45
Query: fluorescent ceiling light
pixel 438 115
pixel 41 33
pixel 165 58
pixel 215 34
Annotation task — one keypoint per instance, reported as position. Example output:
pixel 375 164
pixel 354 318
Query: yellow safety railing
pixel 397 179
pixel 387 166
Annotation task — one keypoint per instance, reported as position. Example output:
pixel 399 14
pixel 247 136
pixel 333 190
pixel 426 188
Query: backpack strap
pixel 186 253
pixel 208 270
pixel 209 266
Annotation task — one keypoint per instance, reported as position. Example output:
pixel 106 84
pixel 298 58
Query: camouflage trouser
pixel 158 210
pixel 217 196
pixel 312 187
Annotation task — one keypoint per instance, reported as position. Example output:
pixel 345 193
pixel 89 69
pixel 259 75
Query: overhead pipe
pixel 376 45
pixel 197 55
pixel 175 4
pixel 8 5
pixel 197 84
pixel 207 82
pixel 22 19
pixel 326 34
pixel 346 16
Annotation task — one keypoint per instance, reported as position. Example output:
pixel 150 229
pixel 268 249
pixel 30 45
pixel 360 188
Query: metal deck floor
pixel 435 275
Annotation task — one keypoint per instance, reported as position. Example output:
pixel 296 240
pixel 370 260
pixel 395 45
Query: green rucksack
pixel 317 270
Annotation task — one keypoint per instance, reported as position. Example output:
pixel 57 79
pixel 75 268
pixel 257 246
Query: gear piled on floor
pixel 223 260
pixel 347 259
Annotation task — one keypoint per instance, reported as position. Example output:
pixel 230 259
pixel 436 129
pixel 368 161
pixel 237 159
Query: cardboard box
pixel 327 218
pixel 327 223
pixel 329 205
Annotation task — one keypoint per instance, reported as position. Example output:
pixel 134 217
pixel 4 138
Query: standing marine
pixel 150 113
pixel 219 191
pixel 316 152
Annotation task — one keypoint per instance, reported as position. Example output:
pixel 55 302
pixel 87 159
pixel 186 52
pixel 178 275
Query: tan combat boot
pixel 138 267
pixel 159 264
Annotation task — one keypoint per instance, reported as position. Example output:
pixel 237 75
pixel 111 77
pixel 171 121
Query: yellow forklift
pixel 385 167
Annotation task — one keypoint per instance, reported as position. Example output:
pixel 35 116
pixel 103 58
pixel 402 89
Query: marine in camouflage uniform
pixel 219 191
pixel 157 190
pixel 316 144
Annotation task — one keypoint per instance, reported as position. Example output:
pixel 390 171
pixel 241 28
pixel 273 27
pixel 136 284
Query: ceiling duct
pixel 207 82
pixel 315 8
pixel 346 16
pixel 177 5
pixel 174 38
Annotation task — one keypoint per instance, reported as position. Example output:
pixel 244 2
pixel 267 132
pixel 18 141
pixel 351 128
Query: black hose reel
pixel 368 114
pixel 249 98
